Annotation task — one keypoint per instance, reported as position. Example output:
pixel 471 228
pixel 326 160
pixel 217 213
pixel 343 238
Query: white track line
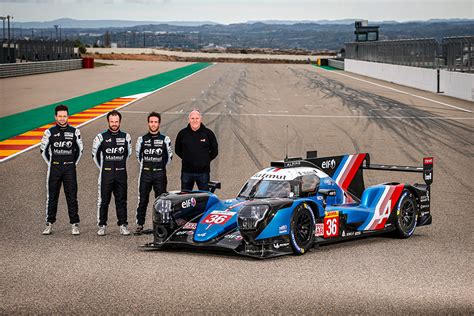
pixel 141 96
pixel 314 116
pixel 399 91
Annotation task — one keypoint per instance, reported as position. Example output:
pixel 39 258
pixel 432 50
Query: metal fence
pixel 459 52
pixel 455 53
pixel 31 68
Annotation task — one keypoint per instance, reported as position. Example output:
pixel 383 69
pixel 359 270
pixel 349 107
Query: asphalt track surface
pixel 249 107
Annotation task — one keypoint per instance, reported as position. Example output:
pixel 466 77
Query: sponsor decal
pixel 61 144
pixel 343 233
pixel 423 206
pixel 158 142
pixel 68 135
pixel 113 158
pixel 148 141
pixel 115 150
pixel 357 233
pixel 320 198
pixel 120 140
pixel 203 140
pixel 201 235
pixel 425 198
pixel 319 231
pixel 188 203
pixel 277 245
pixel 270 176
pixel 190 232
pixel 190 225
pixel 233 236
pixel 283 229
pixel 181 232
pixel 329 164
pixel 428 161
pixel 292 163
pixel 331 224
pixel 218 217
pixel 108 140
pixel 62 152
pixel 153 151
pixel 57 135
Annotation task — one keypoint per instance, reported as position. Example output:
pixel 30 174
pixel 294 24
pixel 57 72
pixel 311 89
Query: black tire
pixel 407 215
pixel 302 229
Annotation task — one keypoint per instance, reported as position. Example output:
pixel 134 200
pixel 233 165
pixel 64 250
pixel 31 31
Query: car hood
pixel 218 219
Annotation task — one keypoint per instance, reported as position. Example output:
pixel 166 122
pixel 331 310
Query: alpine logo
pixel 329 164
pixel 115 150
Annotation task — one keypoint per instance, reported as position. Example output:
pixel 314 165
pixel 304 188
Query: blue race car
pixel 292 206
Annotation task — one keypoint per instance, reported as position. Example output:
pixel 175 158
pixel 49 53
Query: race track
pixel 249 107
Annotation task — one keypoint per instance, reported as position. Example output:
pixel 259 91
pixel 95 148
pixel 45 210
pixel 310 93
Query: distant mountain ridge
pixel 90 24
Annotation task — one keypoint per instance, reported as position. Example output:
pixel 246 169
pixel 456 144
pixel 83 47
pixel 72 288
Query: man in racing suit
pixel 61 148
pixel 110 152
pixel 154 153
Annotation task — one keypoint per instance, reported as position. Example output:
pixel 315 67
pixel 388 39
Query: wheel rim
pixel 407 215
pixel 303 228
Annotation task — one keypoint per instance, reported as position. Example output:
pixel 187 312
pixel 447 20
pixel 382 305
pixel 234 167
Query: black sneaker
pixel 139 230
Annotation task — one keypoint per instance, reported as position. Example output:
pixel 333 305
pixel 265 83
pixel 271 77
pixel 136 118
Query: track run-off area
pixel 257 112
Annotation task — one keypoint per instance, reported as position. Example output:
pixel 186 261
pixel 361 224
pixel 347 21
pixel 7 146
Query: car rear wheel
pixel 407 215
pixel 302 229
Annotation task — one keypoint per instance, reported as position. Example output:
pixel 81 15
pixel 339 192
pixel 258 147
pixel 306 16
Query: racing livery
pixel 293 205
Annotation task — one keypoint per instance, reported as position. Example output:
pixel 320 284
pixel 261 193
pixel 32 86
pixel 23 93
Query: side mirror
pixel 325 193
pixel 214 185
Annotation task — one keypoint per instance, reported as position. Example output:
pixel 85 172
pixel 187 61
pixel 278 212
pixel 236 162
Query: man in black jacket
pixel 110 152
pixel 154 153
pixel 61 148
pixel 197 146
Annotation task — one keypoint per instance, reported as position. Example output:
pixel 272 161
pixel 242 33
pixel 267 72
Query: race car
pixel 294 205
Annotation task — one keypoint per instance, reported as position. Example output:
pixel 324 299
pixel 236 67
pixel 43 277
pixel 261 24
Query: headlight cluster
pixel 162 211
pixel 251 215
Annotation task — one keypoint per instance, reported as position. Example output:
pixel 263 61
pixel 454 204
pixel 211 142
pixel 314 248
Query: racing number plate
pixel 218 217
pixel 331 224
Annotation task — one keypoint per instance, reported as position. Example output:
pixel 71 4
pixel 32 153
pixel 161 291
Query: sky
pixel 235 11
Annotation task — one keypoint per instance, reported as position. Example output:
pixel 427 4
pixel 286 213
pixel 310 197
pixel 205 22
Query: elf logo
pixel 329 164
pixel 62 144
pixel 153 151
pixel 115 150
pixel 188 203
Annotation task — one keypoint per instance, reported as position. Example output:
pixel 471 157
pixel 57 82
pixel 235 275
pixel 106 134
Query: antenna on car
pixel 286 158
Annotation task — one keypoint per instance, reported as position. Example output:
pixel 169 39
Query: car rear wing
pixel 426 169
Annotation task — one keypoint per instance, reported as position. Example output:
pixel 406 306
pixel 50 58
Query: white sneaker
pixel 101 231
pixel 75 229
pixel 48 230
pixel 124 230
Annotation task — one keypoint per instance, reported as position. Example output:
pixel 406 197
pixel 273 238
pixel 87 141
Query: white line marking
pixel 102 115
pixel 400 91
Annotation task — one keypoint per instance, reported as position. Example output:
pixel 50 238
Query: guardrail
pixel 39 67
pixel 339 64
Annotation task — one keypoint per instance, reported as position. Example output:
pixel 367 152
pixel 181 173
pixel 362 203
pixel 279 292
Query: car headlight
pixel 251 215
pixel 162 211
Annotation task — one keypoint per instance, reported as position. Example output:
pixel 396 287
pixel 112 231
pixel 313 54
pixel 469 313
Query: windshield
pixel 255 188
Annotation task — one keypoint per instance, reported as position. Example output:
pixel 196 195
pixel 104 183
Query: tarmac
pixel 256 111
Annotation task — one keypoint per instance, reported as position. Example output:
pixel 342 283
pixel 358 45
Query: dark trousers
pixel 149 179
pixel 201 179
pixel 62 174
pixel 113 181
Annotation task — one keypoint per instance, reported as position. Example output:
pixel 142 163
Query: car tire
pixel 407 215
pixel 302 229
